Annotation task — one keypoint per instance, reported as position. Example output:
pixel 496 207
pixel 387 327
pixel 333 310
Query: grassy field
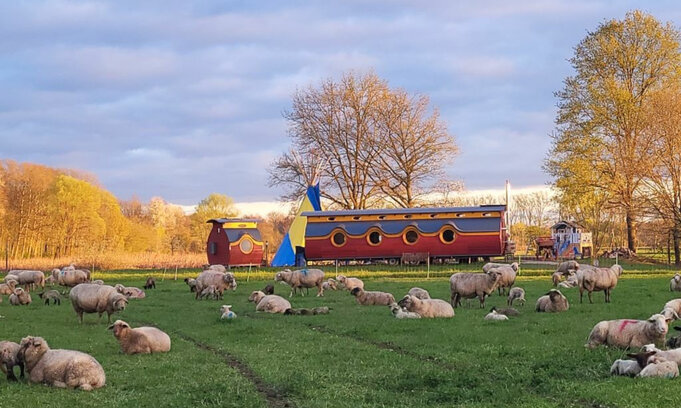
pixel 357 356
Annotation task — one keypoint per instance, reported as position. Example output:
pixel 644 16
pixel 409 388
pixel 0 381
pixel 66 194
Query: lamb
pixel 625 333
pixel 508 274
pixel 597 279
pixel 226 312
pixel 269 303
pixel 191 283
pixel 629 368
pixel 130 292
pixel 350 283
pixel 654 366
pixel 330 284
pixel 27 278
pixel 60 368
pixel 493 315
pixel 552 302
pixel 516 294
pixel 140 340
pixel 509 311
pixel 672 309
pixel 69 276
pixel 419 293
pixel 210 292
pixel 51 295
pixel 303 278
pixel 9 358
pixel 268 289
pixel 368 298
pixel 427 308
pixel 150 284
pixel 400 313
pixel 675 283
pixel 89 298
pixel 221 280
pixel 19 297
pixel 469 285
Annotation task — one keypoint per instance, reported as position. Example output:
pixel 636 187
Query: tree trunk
pixel 631 231
pixel 676 233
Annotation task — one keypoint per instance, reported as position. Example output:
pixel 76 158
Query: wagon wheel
pixel 392 261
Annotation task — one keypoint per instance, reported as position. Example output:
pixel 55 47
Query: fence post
pixel 175 272
pixel 248 275
pixel 428 263
pixel 164 274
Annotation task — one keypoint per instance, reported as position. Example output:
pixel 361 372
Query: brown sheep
pixel 140 340
pixel 303 278
pixel 221 280
pixel 599 279
pixel 368 298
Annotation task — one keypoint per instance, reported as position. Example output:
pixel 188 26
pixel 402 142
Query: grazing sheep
pixel 69 276
pixel 51 295
pixel 672 309
pixel 508 274
pixel 303 278
pixel 624 333
pixel 516 294
pixel 268 289
pixel 191 283
pixel 368 298
pixel 9 358
pixel 210 292
pixel 150 284
pixel 130 292
pixel 400 313
pixel 269 303
pixel 629 368
pixel 60 368
pixel 493 315
pixel 599 279
pixel 427 308
pixel 469 285
pixel 552 302
pixel 27 278
pixel 350 283
pixel 419 293
pixel 674 341
pixel 509 311
pixel 97 282
pixel 226 312
pixel 330 284
pixel 140 340
pixel 89 298
pixel 221 280
pixel 19 297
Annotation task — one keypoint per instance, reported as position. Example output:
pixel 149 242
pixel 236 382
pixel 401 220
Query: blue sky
pixel 183 98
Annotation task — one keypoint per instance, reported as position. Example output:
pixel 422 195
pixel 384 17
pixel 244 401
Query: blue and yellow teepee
pixel 295 237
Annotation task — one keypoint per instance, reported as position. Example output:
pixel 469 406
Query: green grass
pixel 357 356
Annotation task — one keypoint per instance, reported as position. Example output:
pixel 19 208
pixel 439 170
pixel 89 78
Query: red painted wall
pixel 239 258
pixel 217 235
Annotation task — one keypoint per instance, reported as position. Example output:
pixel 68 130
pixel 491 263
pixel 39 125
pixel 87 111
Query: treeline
pixel 47 212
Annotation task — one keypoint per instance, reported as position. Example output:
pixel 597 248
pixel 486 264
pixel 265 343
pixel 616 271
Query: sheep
pixel 516 294
pixel 140 340
pixel 51 295
pixel 9 358
pixel 8 287
pixel 509 311
pixel 191 283
pixel 564 268
pixel 303 278
pixel 668 355
pixel 552 302
pixel 469 285
pixel 218 268
pixel 89 298
pixel 330 284
pixel 19 297
pixel 268 303
pixel 672 309
pixel 427 308
pixel 675 283
pixel 130 292
pixel 674 341
pixel 491 265
pixel 350 283
pixel 629 368
pixel 419 293
pixel 400 313
pixel 69 276
pixel 226 312
pixel 221 280
pixel 368 298
pixel 150 283
pixel 27 278
pixel 624 333
pixel 493 315
pixel 597 279
pixel 556 278
pixel 60 368
pixel 97 282
pixel 508 274
pixel 268 289
pixel 659 367
pixel 210 292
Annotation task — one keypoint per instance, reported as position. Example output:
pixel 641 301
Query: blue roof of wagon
pixel 389 211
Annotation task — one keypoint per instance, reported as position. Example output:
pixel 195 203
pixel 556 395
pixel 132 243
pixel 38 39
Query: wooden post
pixel 428 264
pixel 248 275
pixel 164 274
pixel 175 272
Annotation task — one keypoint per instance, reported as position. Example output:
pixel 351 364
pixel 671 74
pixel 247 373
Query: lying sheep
pixel 268 289
pixel 600 279
pixel 675 283
pixel 191 283
pixel 89 298
pixel 552 302
pixel 508 274
pixel 140 340
pixel 516 294
pixel 51 295
pixel 465 285
pixel 268 303
pixel 629 368
pixel 9 358
pixel 330 284
pixel 625 333
pixel 400 313
pixel 419 293
pixel 210 292
pixel 493 315
pixel 226 312
pixel 350 283
pixel 427 308
pixel 654 366
pixel 672 309
pixel 27 278
pixel 149 284
pixel 221 280
pixel 509 311
pixel 130 292
pixel 368 298
pixel 303 278
pixel 19 297
pixel 60 368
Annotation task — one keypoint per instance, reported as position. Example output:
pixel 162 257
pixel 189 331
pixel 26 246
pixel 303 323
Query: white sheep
pixel 227 313
pixel 129 292
pixel 89 298
pixel 269 303
pixel 567 267
pixel 60 368
pixel 350 283
pixel 552 302
pixel 625 333
pixel 28 278
pixel 516 294
pixel 330 284
pixel 669 355
pixel 427 308
pixel 302 278
pixel 140 340
pixel 465 285
pixel 400 313
pixel 629 368
pixel 19 297
pixel 9 358
pixel 675 283
pixel 508 275
pixel 660 368
pixel 599 279
pixel 419 293
pixel 221 280
pixel 493 315
pixel 672 309
pixel 368 298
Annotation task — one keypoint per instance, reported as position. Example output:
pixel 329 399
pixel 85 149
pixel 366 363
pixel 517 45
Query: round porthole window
pixel 338 239
pixel 411 236
pixel 374 238
pixel 447 236
pixel 246 246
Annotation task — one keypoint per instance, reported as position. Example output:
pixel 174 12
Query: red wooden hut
pixel 234 242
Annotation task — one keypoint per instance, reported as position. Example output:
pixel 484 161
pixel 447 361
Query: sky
pixel 180 98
